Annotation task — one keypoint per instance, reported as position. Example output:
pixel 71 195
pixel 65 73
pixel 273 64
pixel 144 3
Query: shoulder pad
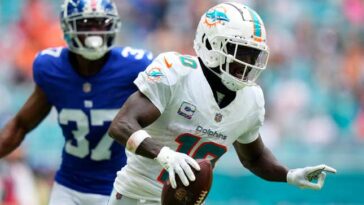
pixel 259 96
pixel 47 56
pixel 175 65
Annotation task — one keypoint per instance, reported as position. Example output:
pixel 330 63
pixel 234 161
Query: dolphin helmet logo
pixel 216 16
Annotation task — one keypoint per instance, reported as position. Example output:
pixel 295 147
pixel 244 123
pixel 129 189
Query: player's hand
pixel 176 162
pixel 303 177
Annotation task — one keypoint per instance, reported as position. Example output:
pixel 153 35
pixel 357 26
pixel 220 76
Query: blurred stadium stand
pixel 314 91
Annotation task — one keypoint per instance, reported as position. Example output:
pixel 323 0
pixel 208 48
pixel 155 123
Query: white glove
pixel 176 162
pixel 302 177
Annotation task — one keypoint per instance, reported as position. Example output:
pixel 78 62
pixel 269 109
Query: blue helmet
pixel 89 26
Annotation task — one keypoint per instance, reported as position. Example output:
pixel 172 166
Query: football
pixel 193 194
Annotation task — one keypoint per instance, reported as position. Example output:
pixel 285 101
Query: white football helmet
pixel 229 32
pixel 89 26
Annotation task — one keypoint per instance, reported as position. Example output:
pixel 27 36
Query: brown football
pixel 195 193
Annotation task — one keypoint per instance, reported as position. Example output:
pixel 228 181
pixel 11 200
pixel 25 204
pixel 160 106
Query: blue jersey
pixel 86 106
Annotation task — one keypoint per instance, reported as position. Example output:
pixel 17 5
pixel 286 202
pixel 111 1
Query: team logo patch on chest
pixel 186 110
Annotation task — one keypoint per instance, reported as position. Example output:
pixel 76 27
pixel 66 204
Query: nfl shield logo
pixel 218 117
pixel 87 87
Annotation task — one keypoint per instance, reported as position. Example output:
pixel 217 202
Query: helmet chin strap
pixel 227 80
pixel 229 83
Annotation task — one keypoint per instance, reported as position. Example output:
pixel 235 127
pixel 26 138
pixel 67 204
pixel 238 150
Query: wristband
pixel 136 139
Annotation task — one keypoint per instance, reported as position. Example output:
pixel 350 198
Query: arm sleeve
pixel 256 119
pixel 37 71
pixel 156 82
pixel 253 133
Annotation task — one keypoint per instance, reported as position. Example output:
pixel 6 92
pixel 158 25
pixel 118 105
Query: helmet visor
pixel 95 25
pixel 250 56
pixel 243 62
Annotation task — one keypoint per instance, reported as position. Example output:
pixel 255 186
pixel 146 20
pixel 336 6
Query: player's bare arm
pixel 30 115
pixel 259 160
pixel 256 157
pixel 137 113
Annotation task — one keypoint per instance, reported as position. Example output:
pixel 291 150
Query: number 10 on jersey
pixel 188 142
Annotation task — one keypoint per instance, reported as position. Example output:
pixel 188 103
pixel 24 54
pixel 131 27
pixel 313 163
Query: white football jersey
pixel 190 122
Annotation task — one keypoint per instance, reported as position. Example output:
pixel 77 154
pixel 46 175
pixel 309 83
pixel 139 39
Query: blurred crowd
pixel 313 85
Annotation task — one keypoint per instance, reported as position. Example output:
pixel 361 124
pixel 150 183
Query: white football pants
pixel 62 195
pixel 118 199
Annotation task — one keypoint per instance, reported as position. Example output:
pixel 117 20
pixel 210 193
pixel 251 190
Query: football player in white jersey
pixel 198 107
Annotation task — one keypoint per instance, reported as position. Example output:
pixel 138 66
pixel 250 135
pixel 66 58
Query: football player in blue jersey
pixel 87 83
